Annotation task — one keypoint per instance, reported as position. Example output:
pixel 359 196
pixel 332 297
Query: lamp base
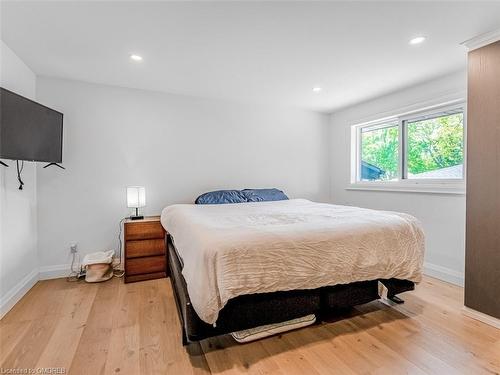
pixel 136 217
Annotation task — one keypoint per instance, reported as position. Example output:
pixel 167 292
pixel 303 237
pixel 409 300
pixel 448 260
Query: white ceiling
pixel 272 52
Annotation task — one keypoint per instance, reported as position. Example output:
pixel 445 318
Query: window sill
pixel 454 189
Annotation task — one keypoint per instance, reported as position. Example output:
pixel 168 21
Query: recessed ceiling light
pixel 136 57
pixel 317 89
pixel 417 40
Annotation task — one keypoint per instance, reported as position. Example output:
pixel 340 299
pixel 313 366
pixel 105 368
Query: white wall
pixel 18 226
pixel 176 146
pixel 443 216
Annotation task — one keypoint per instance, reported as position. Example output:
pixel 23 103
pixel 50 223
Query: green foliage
pixel 432 144
pixel 435 143
pixel 380 148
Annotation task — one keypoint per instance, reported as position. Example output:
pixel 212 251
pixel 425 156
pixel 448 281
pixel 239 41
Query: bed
pixel 240 265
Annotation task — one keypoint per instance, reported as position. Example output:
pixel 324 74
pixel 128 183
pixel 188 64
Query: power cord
pixel 120 226
pixel 73 275
pixel 19 171
pixel 117 271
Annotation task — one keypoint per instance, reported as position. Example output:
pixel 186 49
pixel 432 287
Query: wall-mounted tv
pixel 28 130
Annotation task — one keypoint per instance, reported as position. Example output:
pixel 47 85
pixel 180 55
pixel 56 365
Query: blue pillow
pixel 221 197
pixel 264 195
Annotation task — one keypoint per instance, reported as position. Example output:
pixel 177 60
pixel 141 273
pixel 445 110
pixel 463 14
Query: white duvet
pixel 230 250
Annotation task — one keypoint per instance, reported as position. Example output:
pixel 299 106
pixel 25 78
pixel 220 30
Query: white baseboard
pixel 17 292
pixel 445 274
pixel 54 272
pixel 490 320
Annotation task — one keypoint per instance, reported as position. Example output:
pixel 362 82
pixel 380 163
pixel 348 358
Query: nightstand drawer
pixel 144 276
pixel 143 230
pixel 137 266
pixel 142 248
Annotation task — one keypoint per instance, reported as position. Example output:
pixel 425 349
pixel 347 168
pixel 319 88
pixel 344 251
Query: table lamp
pixel 136 197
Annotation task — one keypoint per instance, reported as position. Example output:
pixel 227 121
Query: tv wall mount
pixel 55 164
pixel 20 170
pixel 48 165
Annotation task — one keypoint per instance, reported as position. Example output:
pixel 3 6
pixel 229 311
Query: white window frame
pixel 448 186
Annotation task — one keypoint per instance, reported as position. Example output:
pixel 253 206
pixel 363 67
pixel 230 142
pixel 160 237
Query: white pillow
pixel 267 330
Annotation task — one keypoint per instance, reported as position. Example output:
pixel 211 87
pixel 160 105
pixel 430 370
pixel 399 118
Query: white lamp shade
pixel 136 196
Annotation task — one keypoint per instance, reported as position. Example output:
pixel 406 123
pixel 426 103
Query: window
pixel 379 152
pixel 435 146
pixel 425 147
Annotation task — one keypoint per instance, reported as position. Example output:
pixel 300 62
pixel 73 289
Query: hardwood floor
pixel 113 327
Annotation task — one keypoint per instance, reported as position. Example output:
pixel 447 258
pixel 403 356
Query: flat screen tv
pixel 28 130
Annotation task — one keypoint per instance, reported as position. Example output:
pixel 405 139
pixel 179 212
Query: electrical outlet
pixel 73 247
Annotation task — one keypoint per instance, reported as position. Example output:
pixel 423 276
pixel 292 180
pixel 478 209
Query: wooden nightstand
pixel 145 252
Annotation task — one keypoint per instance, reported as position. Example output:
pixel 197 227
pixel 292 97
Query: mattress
pixel 237 249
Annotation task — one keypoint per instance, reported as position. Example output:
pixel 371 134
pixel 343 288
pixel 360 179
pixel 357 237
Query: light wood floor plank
pixel 320 351
pixel 10 335
pixel 123 352
pixel 32 344
pixel 117 328
pixel 92 351
pixel 393 338
pixel 72 318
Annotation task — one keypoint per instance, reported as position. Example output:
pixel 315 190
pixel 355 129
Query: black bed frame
pixel 254 310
